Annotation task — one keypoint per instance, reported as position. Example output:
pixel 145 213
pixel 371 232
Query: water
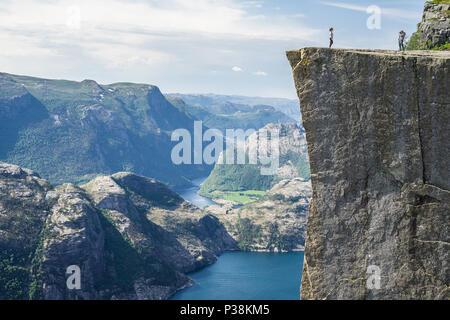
pixel 248 276
pixel 190 194
pixel 243 275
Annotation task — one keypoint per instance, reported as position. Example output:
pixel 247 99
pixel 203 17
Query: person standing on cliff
pixel 331 37
pixel 401 39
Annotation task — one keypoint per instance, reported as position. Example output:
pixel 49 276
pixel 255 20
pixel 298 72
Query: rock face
pixel 132 237
pixel 276 222
pixel 378 130
pixel 435 25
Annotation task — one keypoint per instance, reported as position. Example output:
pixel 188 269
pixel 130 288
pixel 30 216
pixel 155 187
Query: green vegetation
pixel 421 41
pixel 443 47
pixel 127 263
pixel 417 42
pixel 248 233
pixel 36 272
pixel 121 256
pixel 277 240
pixel 72 131
pixel 237 177
pixel 23 223
pixel 300 162
pixel 242 197
pixel 230 181
pixel 439 2
pixel 20 271
pixel 14 274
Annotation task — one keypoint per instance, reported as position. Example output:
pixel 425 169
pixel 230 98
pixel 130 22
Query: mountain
pixel 131 237
pixel 293 162
pixel 290 107
pixel 227 115
pixel 434 29
pixel 378 130
pixel 276 222
pixel 72 131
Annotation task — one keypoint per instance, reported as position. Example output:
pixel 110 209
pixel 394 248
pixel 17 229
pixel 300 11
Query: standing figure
pixel 331 37
pixel 401 39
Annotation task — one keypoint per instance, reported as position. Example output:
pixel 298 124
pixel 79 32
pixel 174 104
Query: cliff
pixel 131 236
pixel 434 29
pixel 71 131
pixel 276 222
pixel 378 130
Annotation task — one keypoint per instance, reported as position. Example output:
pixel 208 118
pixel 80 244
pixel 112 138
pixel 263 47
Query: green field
pixel 241 197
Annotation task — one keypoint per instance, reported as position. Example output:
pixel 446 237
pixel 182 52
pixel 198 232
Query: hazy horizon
pixel 226 47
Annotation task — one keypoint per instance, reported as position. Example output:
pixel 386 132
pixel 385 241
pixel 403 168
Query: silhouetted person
pixel 331 37
pixel 401 40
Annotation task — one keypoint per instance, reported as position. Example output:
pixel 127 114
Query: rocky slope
pixel 276 222
pixel 434 29
pixel 71 131
pixel 132 237
pixel 293 162
pixel 377 125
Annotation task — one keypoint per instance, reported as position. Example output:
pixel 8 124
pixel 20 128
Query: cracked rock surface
pixel 378 130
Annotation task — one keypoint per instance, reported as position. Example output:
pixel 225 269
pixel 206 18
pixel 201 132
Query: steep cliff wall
pixel 434 29
pixel 378 130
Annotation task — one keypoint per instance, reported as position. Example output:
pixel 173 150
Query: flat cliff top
pixel 377 124
pixel 294 56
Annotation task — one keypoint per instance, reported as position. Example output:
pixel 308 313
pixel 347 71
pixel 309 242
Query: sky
pixel 190 46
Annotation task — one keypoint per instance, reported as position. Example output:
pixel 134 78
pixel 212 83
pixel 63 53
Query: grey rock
pixel 278 220
pixel 132 237
pixel 74 237
pixel 435 25
pixel 377 125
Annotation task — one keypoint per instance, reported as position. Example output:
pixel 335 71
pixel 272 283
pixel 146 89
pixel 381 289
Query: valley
pixel 87 180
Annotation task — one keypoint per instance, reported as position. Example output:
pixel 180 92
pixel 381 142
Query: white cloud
pixel 217 18
pixel 237 69
pixel 121 33
pixel 260 73
pixel 297 15
pixel 119 56
pixel 394 13
pixel 252 4
pixel 172 43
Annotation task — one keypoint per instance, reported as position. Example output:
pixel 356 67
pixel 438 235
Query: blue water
pixel 248 276
pixel 190 194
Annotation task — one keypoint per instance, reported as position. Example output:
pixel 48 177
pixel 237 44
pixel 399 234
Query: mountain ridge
pixel 77 130
pixel 131 236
